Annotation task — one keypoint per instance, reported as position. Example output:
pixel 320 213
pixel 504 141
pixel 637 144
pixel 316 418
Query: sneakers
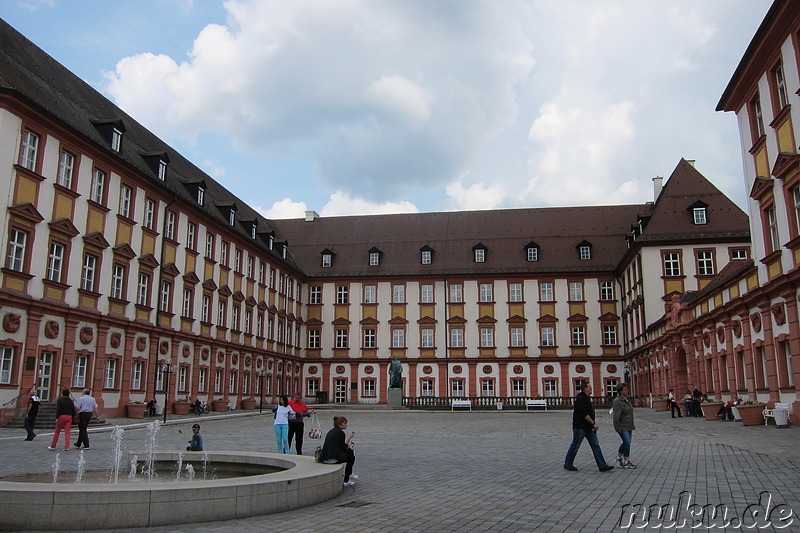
pixel 348 483
pixel 606 468
pixel 619 462
pixel 628 464
pixel 86 448
pixel 51 448
pixel 353 476
pixel 570 468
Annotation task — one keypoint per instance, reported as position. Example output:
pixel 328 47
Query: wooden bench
pixel 460 403
pixel 535 403
pixel 770 413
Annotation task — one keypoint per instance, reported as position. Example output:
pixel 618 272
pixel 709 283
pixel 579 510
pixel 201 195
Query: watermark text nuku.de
pixel 685 514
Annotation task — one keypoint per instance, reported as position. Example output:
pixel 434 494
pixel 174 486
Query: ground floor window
pixel 426 386
pixel 518 387
pixel 368 388
pixel 6 363
pixel 457 387
pixel 487 387
pixel 79 377
pixel 312 387
pixel 611 387
pixel 550 388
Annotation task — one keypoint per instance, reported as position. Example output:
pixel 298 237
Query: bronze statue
pixel 395 374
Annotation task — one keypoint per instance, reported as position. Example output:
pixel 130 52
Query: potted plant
pixel 181 407
pixel 752 413
pixel 220 404
pixel 248 404
pixel 136 409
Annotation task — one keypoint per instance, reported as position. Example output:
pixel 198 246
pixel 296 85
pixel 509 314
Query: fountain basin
pixel 63 506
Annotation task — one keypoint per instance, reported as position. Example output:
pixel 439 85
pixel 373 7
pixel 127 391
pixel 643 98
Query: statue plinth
pixel 395 398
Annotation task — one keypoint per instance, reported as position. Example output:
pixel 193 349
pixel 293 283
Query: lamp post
pixel 261 390
pixel 165 369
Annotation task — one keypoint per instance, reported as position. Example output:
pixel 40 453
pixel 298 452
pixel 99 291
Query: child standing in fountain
pixel 283 413
pixel 196 444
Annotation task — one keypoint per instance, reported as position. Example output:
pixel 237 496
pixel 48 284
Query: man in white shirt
pixel 87 407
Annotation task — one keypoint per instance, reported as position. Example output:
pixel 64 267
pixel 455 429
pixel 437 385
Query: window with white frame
pixel 518 388
pixel 125 195
pixel 533 253
pixel 457 338
pixel 118 282
pixel 341 338
pixel 249 266
pixel 672 264
pixel 149 213
pixel 699 216
pixel 327 260
pixel 245 383
pixel 315 294
pixel 221 314
pixel 169 232
pixel 585 252
pixel 487 387
pixel 202 377
pixel 457 388
pixel 374 258
pixel 515 291
pixel 201 195
pixel 370 338
pixel 55 262
pixel 136 375
pixel 370 294
pixel 758 117
pixel 579 335
pixel 223 253
pixel 606 290
pixel 29 150
pixel 110 374
pixel 205 310
pixel 79 373
pixel 739 254
pixel 16 250
pixel 398 338
pixel 143 289
pixel 550 388
pixel 427 337
pixel 546 291
pixel 232 217
pixel 426 387
pixel 610 335
pixel 232 382
pixel 517 337
pixel 166 296
pixel 98 186
pixel 426 257
pixel 66 166
pixel 479 255
pixel 548 336
pixel 261 268
pixel 183 371
pixel 162 170
pixel 237 260
pixel 260 325
pixel 312 386
pixel 486 292
pixel 611 387
pixel 780 86
pixel 772 225
pixel 235 319
pixel 159 381
pixel 313 338
pixel 705 263
pixel 218 381
pixel 116 139
pixel 575 291
pixel 398 294
pixel 456 293
pixel 787 354
pixel 487 337
pixel 191 232
pixel 248 319
pixel 426 293
pixel 342 294
pixel 187 303
pixel 368 388
pixel 209 245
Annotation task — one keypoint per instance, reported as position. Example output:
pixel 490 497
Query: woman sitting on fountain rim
pixel 196 444
pixel 338 449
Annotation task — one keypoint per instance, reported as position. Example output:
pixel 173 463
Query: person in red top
pixel 296 426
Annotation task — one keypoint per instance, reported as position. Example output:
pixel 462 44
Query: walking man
pixel 584 426
pixel 87 407
pixel 30 415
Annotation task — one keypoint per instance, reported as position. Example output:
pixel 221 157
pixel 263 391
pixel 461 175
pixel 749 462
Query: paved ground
pixel 498 471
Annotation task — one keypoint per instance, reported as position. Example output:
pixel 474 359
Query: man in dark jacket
pixel 584 426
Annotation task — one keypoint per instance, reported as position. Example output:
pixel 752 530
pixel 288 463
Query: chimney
pixel 691 162
pixel 657 185
pixel 311 216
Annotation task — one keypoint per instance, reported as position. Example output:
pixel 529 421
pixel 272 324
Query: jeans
pixel 281 437
pixel 577 438
pixel 62 422
pixel 625 447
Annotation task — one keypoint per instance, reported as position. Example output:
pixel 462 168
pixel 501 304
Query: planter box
pixel 661 404
pixel 181 408
pixel 710 410
pixel 220 405
pixel 248 405
pixel 752 415
pixel 136 410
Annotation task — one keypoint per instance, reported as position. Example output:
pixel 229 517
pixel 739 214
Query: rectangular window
pixel 136 375
pixel 548 336
pixel 187 303
pixel 191 231
pixel 606 290
pixel 249 266
pixel 699 214
pixel 426 387
pixel 29 150
pixel 235 319
pixel 312 387
pixel 342 294
pixel 610 335
pixel 182 373
pixel 426 294
pixel 517 337
pixel 374 259
pixel 218 381
pixel 143 289
pixel 232 217
pixel 672 264
pixel 210 245
pixel 550 388
pixel 55 262
pixel 456 293
pixel 787 354
pixel 98 186
pixel 125 196
pixel 370 294
pixel 705 263
pixel 313 338
pixel 66 166
pixel 398 294
pixel 169 232
pixel 515 292
pixel 223 254
pixel 370 338
pixel 248 319
pixel 738 254
pixel 341 338
pixel 398 338
pixel 368 388
pixel 772 225
pixel 16 250
pixel 480 255
pixel 201 380
pixel 426 257
pixel 110 374
pixel 221 314
pixel 546 291
pixel 533 254
pixel 780 87
pixel 149 213
pixel 486 292
pixel 427 338
pixel 261 267
pixel 586 252
pixel 517 388
pixel 611 387
pixel 118 282
pixel 315 294
pixel 79 376
pixel 487 387
pixel 232 383
pixel 260 325
pixel 327 260
pixel 457 388
pixel 457 338
pixel 578 336
pixel 201 194
pixel 575 291
pixel 757 118
pixel 205 310
pixel 116 140
pixel 237 260
pixel 487 337
pixel 87 274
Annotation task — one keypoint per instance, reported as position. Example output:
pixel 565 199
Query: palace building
pixel 128 270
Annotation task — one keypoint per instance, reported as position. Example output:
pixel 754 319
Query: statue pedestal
pixel 395 398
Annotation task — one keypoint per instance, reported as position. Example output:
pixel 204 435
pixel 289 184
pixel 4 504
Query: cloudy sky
pixel 356 106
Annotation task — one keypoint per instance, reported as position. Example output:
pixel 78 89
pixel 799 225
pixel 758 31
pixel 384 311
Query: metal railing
pixel 491 402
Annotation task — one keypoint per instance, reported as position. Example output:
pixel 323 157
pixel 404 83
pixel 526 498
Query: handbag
pixel 315 432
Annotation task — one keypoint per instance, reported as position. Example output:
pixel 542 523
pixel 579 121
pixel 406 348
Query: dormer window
pixel 479 253
pixel 162 170
pixel 271 241
pixel 532 252
pixel 284 250
pixel 327 259
pixel 699 215
pixel 374 257
pixel 585 250
pixel 426 255
pixel 253 230
pixel 201 195
pixel 116 139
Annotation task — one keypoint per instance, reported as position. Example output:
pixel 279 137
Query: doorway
pixel 45 375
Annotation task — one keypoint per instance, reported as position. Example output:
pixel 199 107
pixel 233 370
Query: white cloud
pixel 475 196
pixel 402 96
pixel 343 204
pixel 286 208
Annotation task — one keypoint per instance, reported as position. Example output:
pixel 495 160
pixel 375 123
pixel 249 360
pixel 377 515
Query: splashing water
pixel 116 436
pixel 81 468
pixel 205 465
pixel 152 434
pixel 180 466
pixel 189 472
pixel 132 468
pixel 56 467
